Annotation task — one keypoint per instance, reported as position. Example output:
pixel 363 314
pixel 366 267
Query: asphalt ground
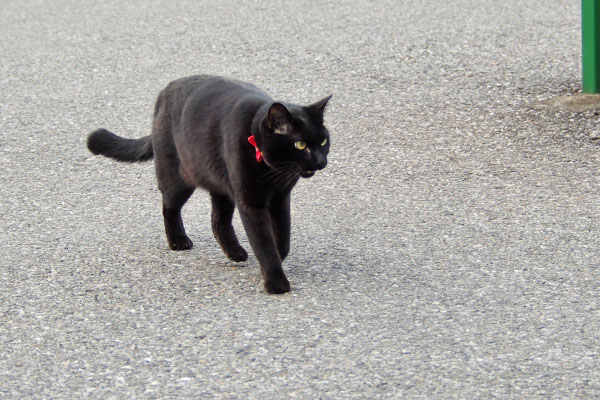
pixel 449 249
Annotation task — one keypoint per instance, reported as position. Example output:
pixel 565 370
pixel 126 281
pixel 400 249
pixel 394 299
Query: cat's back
pixel 206 118
pixel 187 105
pixel 209 88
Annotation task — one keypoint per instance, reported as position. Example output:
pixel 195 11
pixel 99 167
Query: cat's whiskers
pixel 282 174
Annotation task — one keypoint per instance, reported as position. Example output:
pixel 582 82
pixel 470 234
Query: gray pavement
pixel 449 250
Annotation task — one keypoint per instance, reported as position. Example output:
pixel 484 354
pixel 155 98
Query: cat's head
pixel 293 137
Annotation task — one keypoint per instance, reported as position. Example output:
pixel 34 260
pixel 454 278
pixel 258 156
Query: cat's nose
pixel 321 163
pixel 319 160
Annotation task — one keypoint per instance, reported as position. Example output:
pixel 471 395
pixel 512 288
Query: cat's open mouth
pixel 307 174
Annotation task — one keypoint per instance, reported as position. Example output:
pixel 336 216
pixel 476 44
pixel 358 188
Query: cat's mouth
pixel 307 174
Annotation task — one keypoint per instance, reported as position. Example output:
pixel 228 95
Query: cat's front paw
pixel 277 286
pixel 181 243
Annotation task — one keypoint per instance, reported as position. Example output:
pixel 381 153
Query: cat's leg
pixel 172 204
pixel 257 223
pixel 174 195
pixel 175 192
pixel 222 213
pixel 279 209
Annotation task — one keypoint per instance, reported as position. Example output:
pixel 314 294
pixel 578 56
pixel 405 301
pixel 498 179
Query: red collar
pixel 252 141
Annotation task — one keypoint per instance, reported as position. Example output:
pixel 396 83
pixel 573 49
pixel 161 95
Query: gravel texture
pixel 449 250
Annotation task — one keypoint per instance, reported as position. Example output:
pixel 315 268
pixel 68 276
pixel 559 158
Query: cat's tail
pixel 110 145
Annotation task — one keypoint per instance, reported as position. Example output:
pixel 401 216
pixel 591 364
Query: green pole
pixel 590 40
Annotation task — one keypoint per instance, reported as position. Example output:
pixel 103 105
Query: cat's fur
pixel 200 139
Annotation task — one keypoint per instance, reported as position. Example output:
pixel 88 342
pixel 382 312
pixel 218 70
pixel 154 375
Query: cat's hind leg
pixel 175 192
pixel 172 204
pixel 222 214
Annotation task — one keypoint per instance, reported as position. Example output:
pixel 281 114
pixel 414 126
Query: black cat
pixel 247 151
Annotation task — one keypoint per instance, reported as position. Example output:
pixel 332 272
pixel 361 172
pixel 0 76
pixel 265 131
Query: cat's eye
pixel 324 142
pixel 300 145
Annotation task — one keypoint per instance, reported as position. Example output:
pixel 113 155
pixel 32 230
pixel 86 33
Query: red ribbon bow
pixel 252 141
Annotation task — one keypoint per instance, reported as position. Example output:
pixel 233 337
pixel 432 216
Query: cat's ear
pixel 318 108
pixel 279 119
